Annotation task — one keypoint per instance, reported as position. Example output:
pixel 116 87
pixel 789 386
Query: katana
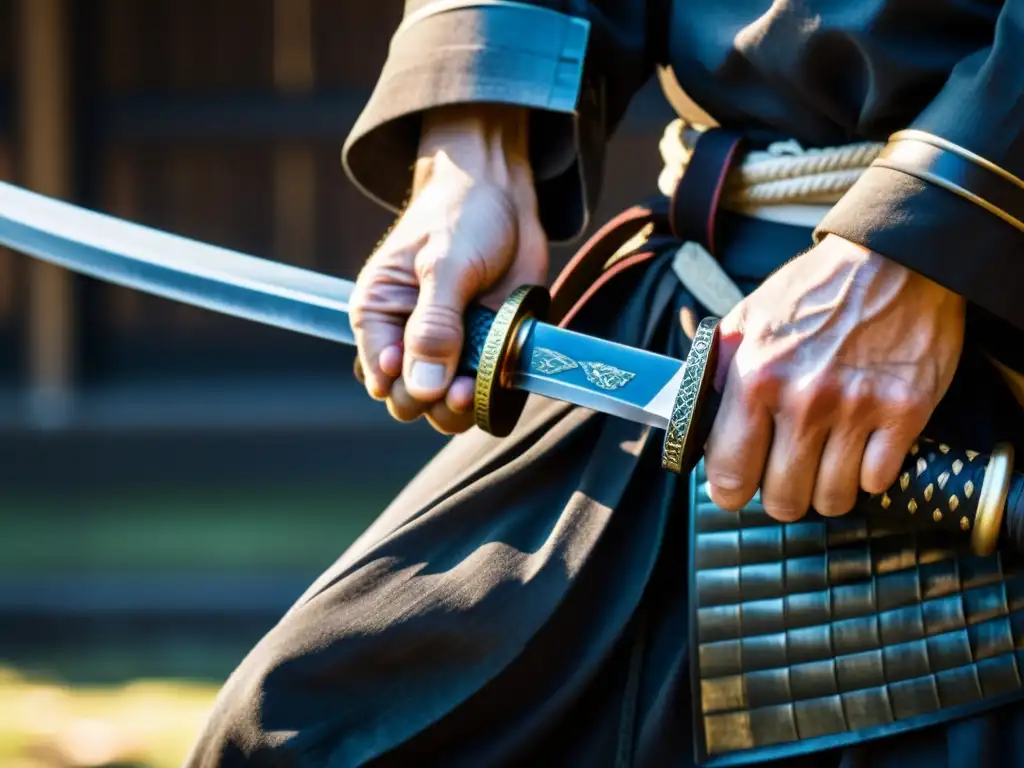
pixel 753 580
pixel 534 357
pixel 511 353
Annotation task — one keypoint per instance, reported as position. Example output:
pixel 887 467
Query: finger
pixel 884 454
pixel 434 333
pixel 384 296
pixel 792 468
pixel 390 361
pixel 402 406
pixel 460 395
pixel 838 482
pixel 737 446
pixel 447 422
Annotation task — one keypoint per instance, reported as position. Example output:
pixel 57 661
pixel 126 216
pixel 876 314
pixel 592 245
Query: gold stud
pixel 912 506
pixel 937 515
pixel 971 455
pixel 904 481
pixel 928 492
pixel 942 480
pixel 886 501
pixel 922 465
pixel 954 502
pixel 943 448
pixel 964 523
pixel 914 449
pixel 968 489
pixel 957 466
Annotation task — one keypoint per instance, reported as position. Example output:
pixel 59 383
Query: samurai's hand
pixel 831 369
pixel 471 232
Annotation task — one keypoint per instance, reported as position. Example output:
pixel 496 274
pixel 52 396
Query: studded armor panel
pixel 830 631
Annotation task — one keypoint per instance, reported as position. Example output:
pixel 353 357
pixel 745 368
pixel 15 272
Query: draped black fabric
pixel 493 613
pixel 524 601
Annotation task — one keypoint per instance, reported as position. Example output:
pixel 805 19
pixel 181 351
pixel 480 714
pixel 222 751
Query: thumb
pixel 434 333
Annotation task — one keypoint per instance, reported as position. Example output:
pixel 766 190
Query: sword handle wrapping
pixel 477 324
pixel 965 492
pixel 970 494
pixel 490 349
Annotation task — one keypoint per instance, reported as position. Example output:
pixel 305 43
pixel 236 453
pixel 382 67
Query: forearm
pixel 488 142
pixel 570 74
pixel 947 198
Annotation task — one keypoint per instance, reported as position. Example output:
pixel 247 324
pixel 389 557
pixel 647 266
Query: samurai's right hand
pixel 471 232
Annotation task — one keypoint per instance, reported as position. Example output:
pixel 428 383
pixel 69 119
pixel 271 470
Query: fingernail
pixel 725 482
pixel 427 376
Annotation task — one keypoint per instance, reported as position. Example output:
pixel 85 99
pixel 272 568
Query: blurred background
pixel 171 480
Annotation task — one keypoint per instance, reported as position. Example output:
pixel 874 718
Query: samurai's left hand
pixel 831 369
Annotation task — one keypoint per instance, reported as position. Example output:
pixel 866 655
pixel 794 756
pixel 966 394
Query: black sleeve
pixel 575 64
pixel 946 197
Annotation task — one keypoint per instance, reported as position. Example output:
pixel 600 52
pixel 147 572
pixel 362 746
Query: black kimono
pixel 525 600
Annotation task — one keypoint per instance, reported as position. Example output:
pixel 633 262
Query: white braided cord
pixel 783 174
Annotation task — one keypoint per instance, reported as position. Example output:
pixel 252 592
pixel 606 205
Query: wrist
pixel 894 271
pixel 485 142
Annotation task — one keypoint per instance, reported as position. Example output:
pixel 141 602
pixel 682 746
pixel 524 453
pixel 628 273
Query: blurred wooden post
pixel 45 137
pixel 294 169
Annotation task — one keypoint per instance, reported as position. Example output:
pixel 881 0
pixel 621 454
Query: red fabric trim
pixel 717 196
pixel 637 214
pixel 606 276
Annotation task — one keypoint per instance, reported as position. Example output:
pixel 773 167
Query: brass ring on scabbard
pixel 685 432
pixel 988 519
pixel 496 407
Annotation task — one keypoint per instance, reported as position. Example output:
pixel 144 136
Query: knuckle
pixel 817 396
pixel 911 405
pixel 435 330
pixel 760 384
pixel 904 403
pixel 381 294
pixel 860 399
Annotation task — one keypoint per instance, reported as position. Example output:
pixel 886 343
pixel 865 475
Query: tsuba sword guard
pixel 496 408
pixel 693 410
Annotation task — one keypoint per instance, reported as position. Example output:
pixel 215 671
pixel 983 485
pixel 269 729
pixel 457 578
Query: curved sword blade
pixel 556 363
pixel 174 267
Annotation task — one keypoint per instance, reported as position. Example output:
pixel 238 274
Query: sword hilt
pixel 490 350
pixel 970 494
pixel 967 493
pixel 477 324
